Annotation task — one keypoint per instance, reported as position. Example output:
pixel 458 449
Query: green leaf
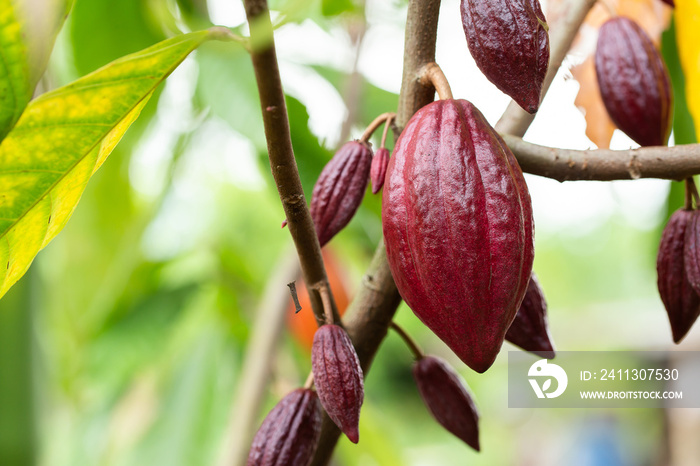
pixel 62 139
pixel 27 36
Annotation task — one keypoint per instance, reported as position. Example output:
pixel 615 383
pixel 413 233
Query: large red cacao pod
pixel 529 329
pixel 681 301
pixel 445 395
pixel 338 378
pixel 289 434
pixel 509 42
pixel 634 82
pixel 458 228
pixel 339 190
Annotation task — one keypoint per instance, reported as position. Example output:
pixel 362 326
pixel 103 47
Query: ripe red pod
pixel 458 228
pixel 681 301
pixel 634 83
pixel 529 329
pixel 338 378
pixel 340 188
pixel 289 434
pixel 509 42
pixel 445 395
pixel 378 170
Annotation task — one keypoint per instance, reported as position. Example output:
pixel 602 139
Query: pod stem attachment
pixel 387 123
pixel 691 193
pixel 410 342
pixel 326 300
pixel 309 381
pixel 432 75
pixel 384 117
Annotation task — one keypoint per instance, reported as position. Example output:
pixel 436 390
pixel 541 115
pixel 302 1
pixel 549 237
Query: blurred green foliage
pixel 128 349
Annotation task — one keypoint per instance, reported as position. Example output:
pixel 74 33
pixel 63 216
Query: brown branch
pixel 279 146
pixel 672 163
pixel 571 15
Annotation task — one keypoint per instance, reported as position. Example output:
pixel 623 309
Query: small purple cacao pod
pixel 289 434
pixel 529 329
pixel 338 378
pixel 445 395
pixel 340 188
pixel 378 170
pixel 634 82
pixel 681 301
pixel 509 42
pixel 691 257
pixel 458 228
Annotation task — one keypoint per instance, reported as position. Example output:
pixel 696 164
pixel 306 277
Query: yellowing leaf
pixel 28 29
pixel 63 137
pixel 687 16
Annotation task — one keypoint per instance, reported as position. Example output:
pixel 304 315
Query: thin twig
pixel 279 147
pixel 432 75
pixel 410 342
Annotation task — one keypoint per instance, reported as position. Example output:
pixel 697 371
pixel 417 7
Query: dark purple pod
pixel 338 378
pixel 669 3
pixel 289 434
pixel 446 396
pixel 681 301
pixel 340 188
pixel 509 42
pixel 691 258
pixel 634 82
pixel 529 329
pixel 378 171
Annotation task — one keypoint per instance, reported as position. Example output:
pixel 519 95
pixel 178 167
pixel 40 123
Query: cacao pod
pixel 289 434
pixel 445 395
pixel 633 81
pixel 458 228
pixel 529 329
pixel 378 169
pixel 340 188
pixel 681 301
pixel 338 378
pixel 509 42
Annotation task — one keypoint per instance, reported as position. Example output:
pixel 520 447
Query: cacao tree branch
pixel 570 16
pixel 672 163
pixel 282 161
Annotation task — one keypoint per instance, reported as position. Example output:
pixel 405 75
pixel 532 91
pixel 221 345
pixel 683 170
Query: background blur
pixel 124 343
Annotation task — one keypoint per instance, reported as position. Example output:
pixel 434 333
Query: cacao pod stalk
pixel 289 434
pixel 529 329
pixel 339 190
pixel 509 42
pixel 458 228
pixel 338 378
pixel 681 301
pixel 634 82
pixel 445 395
